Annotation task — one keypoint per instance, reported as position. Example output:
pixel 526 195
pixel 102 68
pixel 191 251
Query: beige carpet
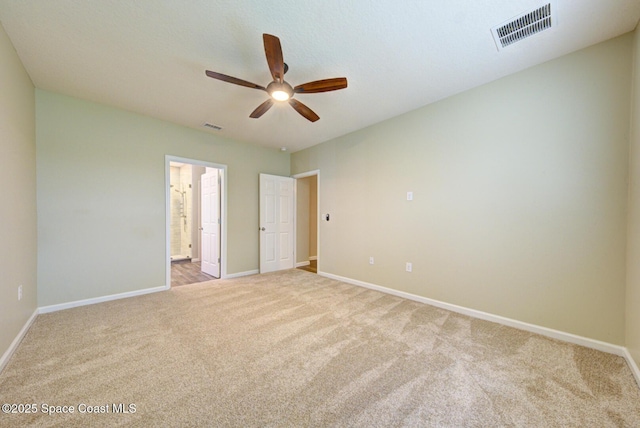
pixel 296 349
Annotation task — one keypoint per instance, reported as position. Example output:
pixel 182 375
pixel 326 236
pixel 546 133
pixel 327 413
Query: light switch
pixel 409 196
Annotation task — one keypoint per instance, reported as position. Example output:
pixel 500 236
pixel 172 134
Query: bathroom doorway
pixel 196 214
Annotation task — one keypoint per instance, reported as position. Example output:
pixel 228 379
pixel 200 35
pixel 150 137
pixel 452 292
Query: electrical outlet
pixel 371 260
pixel 409 196
pixel 409 267
pixel 19 292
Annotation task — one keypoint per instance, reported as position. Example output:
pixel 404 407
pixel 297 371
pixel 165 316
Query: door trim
pixel 311 173
pixel 223 212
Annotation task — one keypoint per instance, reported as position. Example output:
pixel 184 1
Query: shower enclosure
pixel 183 212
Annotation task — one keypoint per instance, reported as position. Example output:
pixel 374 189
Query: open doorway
pixel 195 220
pixel 307 221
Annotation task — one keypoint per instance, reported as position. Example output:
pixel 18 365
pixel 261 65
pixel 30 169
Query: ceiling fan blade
pixel 262 109
pixel 273 51
pixel 303 110
pixel 325 85
pixel 233 80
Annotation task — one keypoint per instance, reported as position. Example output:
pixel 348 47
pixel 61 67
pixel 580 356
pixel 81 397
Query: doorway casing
pixel 223 212
pixel 315 172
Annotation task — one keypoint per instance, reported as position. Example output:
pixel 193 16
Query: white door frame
pixel 315 172
pixel 223 212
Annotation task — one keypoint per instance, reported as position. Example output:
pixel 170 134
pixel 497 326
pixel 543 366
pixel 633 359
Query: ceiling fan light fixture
pixel 280 95
pixel 280 91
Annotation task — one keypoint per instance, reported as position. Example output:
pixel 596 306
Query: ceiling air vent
pixel 212 126
pixel 523 26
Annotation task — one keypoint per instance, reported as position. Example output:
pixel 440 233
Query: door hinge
pixel 218 260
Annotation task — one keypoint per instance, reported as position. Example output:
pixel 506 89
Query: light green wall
pixel 520 196
pixel 101 197
pixel 18 201
pixel 633 251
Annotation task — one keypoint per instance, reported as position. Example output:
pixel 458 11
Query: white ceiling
pixel 149 56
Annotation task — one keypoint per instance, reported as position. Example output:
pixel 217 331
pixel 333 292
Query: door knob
pixel 262 229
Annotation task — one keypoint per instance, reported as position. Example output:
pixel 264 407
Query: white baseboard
pixel 14 345
pixel 632 365
pixel 544 331
pixel 313 257
pixel 300 264
pixel 92 301
pixel 239 274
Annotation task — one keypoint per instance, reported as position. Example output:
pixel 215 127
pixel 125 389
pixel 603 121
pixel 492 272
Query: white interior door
pixel 276 223
pixel 210 215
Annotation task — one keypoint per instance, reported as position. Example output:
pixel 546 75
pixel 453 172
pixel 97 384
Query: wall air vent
pixel 523 26
pixel 212 126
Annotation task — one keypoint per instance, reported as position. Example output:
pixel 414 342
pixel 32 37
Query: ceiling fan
pixel 279 89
